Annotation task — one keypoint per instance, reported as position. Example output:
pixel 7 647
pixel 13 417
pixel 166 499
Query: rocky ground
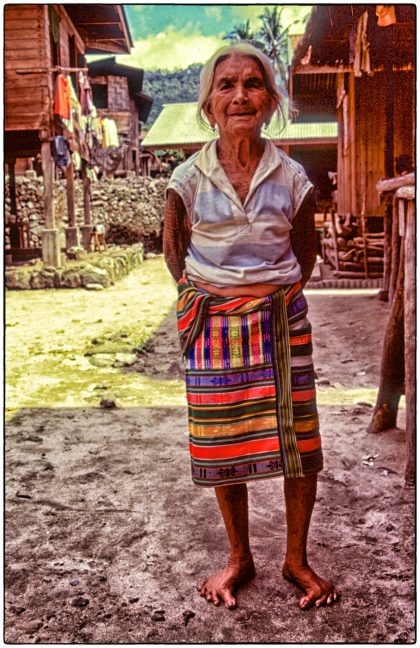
pixel 106 537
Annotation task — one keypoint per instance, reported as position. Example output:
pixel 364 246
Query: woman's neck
pixel 241 152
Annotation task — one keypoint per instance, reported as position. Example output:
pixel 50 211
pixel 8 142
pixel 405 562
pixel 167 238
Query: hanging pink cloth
pixel 62 97
pixel 86 100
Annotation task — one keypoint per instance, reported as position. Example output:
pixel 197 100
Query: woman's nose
pixel 240 94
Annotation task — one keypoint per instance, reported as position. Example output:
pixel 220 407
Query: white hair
pixel 264 63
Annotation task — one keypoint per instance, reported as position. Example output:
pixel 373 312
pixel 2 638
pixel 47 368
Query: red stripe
pixel 297 396
pixel 248 393
pixel 288 296
pixel 295 340
pixel 308 445
pixel 234 450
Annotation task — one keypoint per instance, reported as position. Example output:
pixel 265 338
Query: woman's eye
pixel 253 83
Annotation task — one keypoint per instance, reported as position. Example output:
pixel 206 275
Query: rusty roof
pixel 329 28
pixel 103 27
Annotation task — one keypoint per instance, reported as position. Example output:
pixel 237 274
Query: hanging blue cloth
pixel 61 152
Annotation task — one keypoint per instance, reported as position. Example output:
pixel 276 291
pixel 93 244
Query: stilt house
pixel 42 41
pixel 370 50
pixel 117 94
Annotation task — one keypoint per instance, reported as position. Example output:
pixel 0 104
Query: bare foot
pixel 317 590
pixel 223 584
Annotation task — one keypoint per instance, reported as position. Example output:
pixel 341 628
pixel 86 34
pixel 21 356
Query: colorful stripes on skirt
pixel 250 386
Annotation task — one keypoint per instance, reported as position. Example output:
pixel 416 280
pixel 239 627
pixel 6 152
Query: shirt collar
pixel 208 163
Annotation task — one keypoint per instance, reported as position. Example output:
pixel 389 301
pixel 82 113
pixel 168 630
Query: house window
pixel 100 95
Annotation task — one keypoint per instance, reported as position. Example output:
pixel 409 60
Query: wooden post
pixel 353 203
pixel 12 187
pixel 395 247
pixel 86 195
pixel 410 334
pixel 387 247
pixel 70 195
pixel 384 188
pixel 391 379
pixel 86 228
pixel 388 49
pixel 51 252
pixel 72 232
pixel 48 174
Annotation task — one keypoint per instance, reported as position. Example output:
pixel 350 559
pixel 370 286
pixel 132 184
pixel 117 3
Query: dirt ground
pixel 107 537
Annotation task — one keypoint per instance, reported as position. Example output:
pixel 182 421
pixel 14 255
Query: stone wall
pixel 91 271
pixel 131 208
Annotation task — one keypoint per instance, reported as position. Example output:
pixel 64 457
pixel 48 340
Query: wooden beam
pixel 391 184
pixel 86 195
pixel 410 340
pixel 71 213
pixel 12 187
pixel 47 172
pixel 331 69
pixel 321 69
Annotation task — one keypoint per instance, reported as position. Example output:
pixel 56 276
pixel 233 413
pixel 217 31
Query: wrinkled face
pixel 239 102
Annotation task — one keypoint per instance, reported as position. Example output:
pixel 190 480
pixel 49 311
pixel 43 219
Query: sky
pixel 170 36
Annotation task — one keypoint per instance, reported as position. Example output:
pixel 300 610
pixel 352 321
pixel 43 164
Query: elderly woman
pixel 239 239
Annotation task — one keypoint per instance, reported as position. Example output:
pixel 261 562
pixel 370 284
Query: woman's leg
pixel 233 503
pixel 300 493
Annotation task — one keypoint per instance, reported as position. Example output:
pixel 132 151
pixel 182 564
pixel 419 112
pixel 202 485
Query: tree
pixel 244 33
pixel 272 38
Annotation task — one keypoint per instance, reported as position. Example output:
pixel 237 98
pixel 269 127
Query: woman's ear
pixel 209 114
pixel 271 110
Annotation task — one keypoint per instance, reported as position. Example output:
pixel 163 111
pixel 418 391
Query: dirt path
pixel 106 535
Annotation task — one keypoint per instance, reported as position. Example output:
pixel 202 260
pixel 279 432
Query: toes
pixel 305 602
pixel 228 599
pixel 328 598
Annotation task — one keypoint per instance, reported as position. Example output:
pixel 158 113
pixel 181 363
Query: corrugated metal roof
pixel 177 126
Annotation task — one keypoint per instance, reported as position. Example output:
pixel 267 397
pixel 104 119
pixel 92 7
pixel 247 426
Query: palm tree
pixel 244 32
pixel 272 39
pixel 276 40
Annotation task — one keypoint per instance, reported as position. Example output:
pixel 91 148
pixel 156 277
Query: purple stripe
pixel 266 335
pixel 207 344
pixel 238 378
pixel 225 343
pixel 245 340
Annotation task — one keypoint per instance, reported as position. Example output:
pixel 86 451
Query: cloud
pixel 171 49
pixel 214 12
pixel 290 13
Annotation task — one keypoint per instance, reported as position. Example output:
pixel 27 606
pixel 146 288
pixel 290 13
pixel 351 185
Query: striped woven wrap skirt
pixel 250 386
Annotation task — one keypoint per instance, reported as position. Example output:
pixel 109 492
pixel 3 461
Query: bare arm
pixel 176 234
pixel 303 237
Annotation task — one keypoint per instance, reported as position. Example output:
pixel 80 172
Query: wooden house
pixel 40 42
pixel 369 50
pixel 117 94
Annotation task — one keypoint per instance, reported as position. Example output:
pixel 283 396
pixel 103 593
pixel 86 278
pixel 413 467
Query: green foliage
pixel 171 87
pixel 272 38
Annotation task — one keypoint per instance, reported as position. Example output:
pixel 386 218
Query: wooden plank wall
pixel 29 97
pixel 404 113
pixel 368 157
pixel 26 46
pixel 67 29
pixel 370 140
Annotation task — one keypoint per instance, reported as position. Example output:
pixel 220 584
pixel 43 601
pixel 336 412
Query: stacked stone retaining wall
pixel 131 208
pixel 93 271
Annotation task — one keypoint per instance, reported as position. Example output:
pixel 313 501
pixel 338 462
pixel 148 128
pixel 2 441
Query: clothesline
pixel 56 68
